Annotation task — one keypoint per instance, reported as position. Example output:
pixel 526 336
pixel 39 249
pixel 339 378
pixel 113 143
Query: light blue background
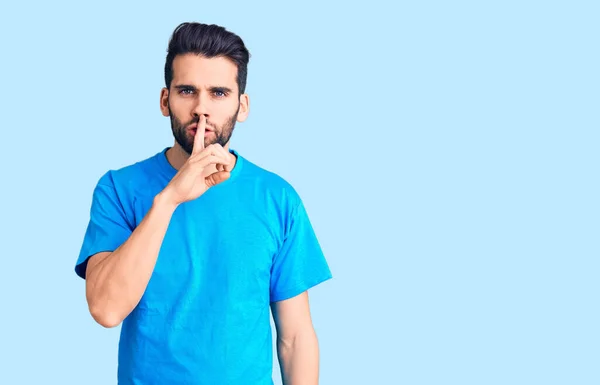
pixel 447 153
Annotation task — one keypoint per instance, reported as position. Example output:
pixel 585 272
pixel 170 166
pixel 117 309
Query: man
pixel 190 248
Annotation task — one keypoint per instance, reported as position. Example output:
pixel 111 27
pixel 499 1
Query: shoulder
pixel 274 186
pixel 129 175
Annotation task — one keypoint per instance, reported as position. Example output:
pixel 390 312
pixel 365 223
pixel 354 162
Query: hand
pixel 196 175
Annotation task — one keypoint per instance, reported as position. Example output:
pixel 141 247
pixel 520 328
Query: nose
pixel 200 108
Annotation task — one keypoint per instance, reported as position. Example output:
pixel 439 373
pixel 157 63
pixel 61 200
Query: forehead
pixel 199 71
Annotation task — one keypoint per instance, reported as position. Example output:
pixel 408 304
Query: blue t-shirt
pixel 205 315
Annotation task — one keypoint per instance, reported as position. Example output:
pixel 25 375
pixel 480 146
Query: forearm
pixel 116 284
pixel 299 359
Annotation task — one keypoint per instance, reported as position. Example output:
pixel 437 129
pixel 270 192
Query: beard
pixel 222 133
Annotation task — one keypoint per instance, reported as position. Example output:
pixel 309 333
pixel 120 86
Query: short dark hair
pixel 208 40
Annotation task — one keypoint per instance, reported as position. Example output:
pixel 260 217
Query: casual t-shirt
pixel 205 315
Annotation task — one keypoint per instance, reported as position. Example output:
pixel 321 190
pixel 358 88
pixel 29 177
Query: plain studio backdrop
pixel 447 154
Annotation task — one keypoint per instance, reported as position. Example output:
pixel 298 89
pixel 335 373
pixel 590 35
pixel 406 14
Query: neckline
pixel 170 171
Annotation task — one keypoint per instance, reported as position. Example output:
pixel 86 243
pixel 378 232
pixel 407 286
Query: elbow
pixel 103 309
pixel 106 318
pixel 305 338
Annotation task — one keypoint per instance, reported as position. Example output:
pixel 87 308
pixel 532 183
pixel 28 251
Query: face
pixel 202 86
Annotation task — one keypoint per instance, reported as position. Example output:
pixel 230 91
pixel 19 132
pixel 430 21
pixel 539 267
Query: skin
pixel 297 343
pixel 116 281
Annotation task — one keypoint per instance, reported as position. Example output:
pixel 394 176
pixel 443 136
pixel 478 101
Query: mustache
pixel 209 125
pixel 197 121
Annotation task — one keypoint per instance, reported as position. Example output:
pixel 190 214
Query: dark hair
pixel 209 41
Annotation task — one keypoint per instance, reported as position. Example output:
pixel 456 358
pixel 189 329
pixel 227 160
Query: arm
pixel 297 345
pixel 115 282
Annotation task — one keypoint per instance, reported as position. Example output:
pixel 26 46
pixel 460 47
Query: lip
pixel 192 128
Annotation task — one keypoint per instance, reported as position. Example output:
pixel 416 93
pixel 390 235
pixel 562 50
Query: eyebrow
pixel 210 88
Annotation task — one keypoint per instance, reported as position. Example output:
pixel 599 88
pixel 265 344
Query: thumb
pixel 217 177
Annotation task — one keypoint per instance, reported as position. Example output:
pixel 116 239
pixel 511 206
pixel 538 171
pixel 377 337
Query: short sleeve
pixel 108 227
pixel 300 264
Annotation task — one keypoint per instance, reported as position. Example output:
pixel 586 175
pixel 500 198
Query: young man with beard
pixel 190 248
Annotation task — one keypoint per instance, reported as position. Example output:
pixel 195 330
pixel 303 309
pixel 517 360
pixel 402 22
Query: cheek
pixel 231 113
pixel 179 111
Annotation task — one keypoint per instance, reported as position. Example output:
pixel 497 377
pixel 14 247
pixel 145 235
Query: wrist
pixel 164 200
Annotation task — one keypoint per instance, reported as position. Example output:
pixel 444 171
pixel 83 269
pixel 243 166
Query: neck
pixel 177 156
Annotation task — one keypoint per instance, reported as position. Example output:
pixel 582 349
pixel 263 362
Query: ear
pixel 244 108
pixel 164 101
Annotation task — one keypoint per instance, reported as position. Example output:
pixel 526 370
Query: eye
pixel 220 94
pixel 186 91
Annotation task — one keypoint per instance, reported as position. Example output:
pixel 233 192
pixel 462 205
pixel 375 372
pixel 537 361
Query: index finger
pixel 199 138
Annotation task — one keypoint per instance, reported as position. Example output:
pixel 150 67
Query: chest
pixel 215 253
